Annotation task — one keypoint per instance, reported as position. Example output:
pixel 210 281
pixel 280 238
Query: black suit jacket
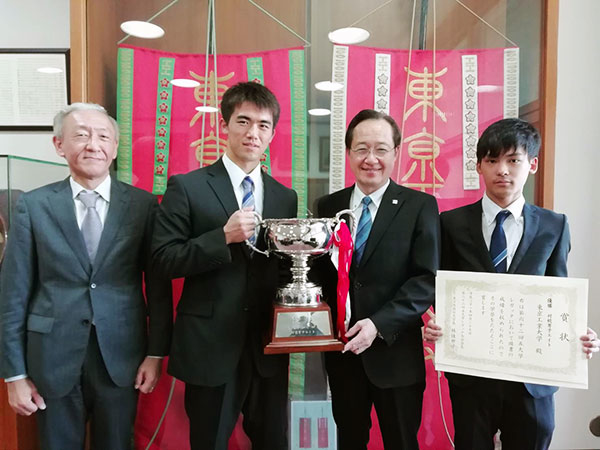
pixel 50 290
pixel 394 283
pixel 543 250
pixel 227 289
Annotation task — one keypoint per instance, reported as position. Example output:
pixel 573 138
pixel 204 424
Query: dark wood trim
pixel 79 65
pixel 544 192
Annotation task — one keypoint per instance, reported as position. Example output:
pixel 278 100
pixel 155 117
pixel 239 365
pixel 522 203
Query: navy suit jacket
pixel 543 250
pixel 228 290
pixel 50 291
pixel 394 283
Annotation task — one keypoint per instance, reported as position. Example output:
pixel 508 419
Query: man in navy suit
pixel 537 243
pixel 391 286
pixel 74 339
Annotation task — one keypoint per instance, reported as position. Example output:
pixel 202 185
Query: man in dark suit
pixel 206 217
pixel 536 242
pixel 391 286
pixel 73 314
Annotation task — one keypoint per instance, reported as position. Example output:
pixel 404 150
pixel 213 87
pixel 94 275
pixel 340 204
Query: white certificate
pixel 512 327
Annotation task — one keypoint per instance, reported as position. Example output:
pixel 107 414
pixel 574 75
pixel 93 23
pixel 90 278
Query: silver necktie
pixel 91 227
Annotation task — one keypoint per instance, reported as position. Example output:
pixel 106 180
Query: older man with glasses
pixel 396 256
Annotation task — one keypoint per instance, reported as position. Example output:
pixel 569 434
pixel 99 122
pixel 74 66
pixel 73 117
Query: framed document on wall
pixel 34 86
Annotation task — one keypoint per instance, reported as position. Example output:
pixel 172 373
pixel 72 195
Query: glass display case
pixel 18 175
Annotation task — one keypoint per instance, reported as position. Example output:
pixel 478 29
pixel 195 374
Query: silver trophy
pixel 300 321
pixel 300 239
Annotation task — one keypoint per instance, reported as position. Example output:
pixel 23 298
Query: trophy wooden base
pixel 301 329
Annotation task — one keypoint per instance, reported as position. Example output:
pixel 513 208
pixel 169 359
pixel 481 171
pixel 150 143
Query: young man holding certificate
pixel 506 234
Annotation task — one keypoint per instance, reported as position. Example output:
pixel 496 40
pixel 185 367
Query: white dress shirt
pixel 237 175
pixel 357 197
pixel 513 225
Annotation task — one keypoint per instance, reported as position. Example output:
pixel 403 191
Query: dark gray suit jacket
pixel 394 283
pixel 543 250
pixel 228 292
pixel 50 291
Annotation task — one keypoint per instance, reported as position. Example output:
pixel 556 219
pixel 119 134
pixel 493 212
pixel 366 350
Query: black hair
pixel 250 92
pixel 371 114
pixel 506 135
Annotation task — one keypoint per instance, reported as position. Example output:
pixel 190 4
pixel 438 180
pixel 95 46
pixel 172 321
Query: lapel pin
pixel 394 202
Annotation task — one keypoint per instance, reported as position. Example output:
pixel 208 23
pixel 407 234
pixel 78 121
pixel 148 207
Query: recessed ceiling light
pixel 145 30
pixel 319 112
pixel 348 35
pixel 488 88
pixel 206 108
pixel 49 70
pixel 184 82
pixel 328 86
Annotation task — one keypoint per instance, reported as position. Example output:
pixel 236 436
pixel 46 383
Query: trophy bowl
pixel 300 239
pixel 301 322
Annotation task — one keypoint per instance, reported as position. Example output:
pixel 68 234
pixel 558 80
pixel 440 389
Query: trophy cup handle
pixel 353 223
pixel 259 223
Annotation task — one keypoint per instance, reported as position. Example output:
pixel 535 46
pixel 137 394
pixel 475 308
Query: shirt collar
pixel 103 188
pixel 237 175
pixel 491 209
pixel 376 196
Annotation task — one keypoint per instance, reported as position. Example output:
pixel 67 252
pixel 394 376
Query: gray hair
pixel 60 116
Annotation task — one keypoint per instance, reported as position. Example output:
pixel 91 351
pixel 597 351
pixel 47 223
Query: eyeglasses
pixel 363 152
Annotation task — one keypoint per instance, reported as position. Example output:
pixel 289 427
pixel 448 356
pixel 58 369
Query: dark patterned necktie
pixel 364 228
pixel 498 250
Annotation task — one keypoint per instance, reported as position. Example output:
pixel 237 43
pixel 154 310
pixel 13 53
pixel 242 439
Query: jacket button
pixel 357 285
pixel 93 285
pixel 85 322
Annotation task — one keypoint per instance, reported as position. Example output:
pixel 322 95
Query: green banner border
pixel 162 129
pixel 299 128
pixel 299 183
pixel 125 113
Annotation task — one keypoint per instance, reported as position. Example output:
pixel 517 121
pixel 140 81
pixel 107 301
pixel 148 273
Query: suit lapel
pixel 119 204
pixel 269 198
pixel 530 228
pixel 474 218
pixel 391 202
pixel 62 209
pixel 220 183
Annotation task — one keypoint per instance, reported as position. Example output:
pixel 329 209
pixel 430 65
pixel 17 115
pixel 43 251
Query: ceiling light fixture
pixel 350 35
pixel 49 70
pixel 329 86
pixel 144 30
pixel 206 109
pixel 184 83
pixel 319 112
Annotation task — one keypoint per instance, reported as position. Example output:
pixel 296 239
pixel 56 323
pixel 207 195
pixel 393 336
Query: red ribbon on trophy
pixel 342 239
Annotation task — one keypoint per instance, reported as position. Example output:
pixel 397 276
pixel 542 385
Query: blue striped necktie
pixel 248 199
pixel 364 228
pixel 498 250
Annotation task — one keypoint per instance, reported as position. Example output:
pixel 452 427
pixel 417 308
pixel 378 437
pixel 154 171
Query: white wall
pixel 32 24
pixel 576 191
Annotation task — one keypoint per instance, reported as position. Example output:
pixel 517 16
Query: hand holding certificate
pixel 512 327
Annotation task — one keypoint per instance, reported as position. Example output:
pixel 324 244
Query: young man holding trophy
pixel 206 216
pixel 396 255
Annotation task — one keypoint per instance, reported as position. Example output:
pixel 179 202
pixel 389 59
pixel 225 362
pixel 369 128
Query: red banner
pixel 441 100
